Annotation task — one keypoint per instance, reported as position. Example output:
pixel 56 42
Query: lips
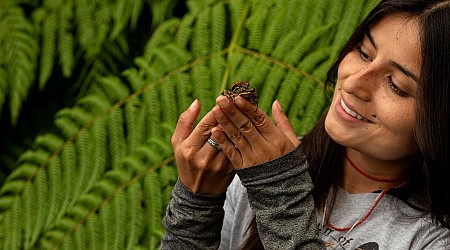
pixel 352 113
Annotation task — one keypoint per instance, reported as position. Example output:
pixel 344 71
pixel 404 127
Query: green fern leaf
pixel 153 201
pixel 117 144
pixel 66 39
pixel 135 215
pixel 110 163
pixel 121 16
pixel 86 28
pixel 48 49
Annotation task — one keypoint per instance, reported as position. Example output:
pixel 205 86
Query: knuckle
pixel 259 120
pixel 205 128
pixel 230 153
pixel 188 156
pixel 236 137
pixel 246 127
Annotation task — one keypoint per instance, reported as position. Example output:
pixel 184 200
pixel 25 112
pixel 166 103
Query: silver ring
pixel 214 144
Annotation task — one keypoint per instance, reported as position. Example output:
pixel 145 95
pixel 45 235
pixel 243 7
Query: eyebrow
pixel 398 66
pixel 372 41
pixel 404 71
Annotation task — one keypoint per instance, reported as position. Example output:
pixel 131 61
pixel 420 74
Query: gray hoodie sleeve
pixel 192 221
pixel 279 192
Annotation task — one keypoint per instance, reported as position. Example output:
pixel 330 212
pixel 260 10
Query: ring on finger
pixel 214 144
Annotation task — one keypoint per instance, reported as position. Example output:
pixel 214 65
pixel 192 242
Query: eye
pixel 362 54
pixel 395 88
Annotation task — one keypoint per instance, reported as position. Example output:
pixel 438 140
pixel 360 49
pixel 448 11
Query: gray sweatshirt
pixel 279 193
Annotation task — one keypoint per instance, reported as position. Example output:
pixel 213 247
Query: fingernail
pixel 193 104
pixel 223 103
pixel 239 102
pixel 279 106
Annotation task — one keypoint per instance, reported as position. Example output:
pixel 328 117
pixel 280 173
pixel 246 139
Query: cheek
pixel 346 67
pixel 401 122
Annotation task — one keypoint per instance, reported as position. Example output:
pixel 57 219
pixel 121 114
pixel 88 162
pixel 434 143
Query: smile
pixel 353 113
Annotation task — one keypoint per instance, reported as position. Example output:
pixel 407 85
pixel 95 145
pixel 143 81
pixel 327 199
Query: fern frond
pixel 201 37
pixel 153 202
pixel 202 84
pixel 66 41
pixel 86 28
pixel 93 231
pixel 135 215
pixel 162 36
pixel 110 163
pixel 274 29
pixel 185 30
pixel 103 20
pixel 218 27
pixel 313 110
pixel 48 49
pixel 134 138
pixel 19 57
pixel 349 20
pixel 256 25
pixel 121 15
pixel 119 209
pixel 117 143
pixel 160 11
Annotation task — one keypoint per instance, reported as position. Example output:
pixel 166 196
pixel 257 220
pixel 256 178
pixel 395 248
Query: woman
pixel 378 160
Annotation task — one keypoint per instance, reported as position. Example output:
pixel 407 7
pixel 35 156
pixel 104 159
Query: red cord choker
pixel 368 175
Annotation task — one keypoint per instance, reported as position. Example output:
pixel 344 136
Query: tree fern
pixel 103 178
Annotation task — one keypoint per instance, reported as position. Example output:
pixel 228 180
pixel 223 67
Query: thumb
pixel 185 123
pixel 283 123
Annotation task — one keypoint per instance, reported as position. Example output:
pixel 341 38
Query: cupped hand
pixel 249 136
pixel 201 168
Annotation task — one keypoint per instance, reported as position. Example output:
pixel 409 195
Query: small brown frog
pixel 241 88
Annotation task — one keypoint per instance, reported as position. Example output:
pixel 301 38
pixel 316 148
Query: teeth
pixel 352 113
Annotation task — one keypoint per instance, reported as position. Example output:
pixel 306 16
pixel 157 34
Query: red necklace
pixel 370 176
pixel 369 212
pixel 362 219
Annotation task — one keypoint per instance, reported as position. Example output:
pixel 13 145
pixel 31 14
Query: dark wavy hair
pixel 431 171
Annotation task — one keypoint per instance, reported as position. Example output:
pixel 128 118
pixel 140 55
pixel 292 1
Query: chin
pixel 331 127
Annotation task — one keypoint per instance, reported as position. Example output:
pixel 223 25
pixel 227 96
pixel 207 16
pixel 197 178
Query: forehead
pixel 398 37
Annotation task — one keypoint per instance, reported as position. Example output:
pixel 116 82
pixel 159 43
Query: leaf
pixel 109 162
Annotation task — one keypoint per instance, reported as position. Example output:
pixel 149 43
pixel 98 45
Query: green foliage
pixel 103 178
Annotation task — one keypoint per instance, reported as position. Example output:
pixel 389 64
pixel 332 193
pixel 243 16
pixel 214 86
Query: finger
pixel 233 133
pixel 283 123
pixel 228 148
pixel 239 119
pixel 259 118
pixel 185 123
pixel 202 131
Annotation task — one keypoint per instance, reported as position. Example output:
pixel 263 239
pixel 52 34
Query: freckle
pixel 374 115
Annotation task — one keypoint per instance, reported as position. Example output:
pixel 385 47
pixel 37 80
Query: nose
pixel 362 81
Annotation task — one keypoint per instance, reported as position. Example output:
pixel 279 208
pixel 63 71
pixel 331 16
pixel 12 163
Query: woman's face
pixel 373 104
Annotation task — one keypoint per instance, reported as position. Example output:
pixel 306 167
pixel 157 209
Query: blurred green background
pixel 90 92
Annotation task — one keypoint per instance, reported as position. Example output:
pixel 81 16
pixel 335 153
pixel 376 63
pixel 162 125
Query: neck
pixel 373 174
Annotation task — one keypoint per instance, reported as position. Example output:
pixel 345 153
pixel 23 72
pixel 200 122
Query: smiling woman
pixel 370 80
pixel 375 165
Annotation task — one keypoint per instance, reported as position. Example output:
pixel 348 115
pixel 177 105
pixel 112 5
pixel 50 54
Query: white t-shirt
pixel 393 224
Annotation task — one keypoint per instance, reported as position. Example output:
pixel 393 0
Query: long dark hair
pixel 431 171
